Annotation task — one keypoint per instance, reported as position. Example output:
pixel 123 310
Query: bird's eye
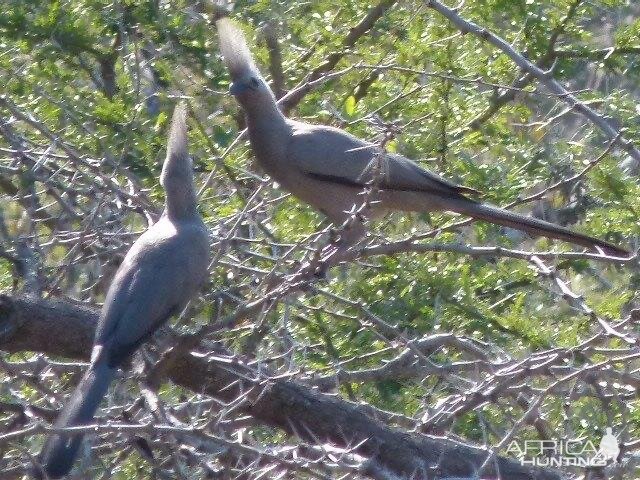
pixel 254 82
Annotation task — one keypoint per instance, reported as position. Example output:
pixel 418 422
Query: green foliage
pixel 431 83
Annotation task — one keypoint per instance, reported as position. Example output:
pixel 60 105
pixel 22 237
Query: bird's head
pixel 249 88
pixel 247 85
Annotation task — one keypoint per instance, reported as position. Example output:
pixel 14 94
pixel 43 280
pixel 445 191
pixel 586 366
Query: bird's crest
pixel 177 146
pixel 177 172
pixel 234 48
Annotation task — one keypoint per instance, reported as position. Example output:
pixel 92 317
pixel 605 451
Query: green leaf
pixel 350 105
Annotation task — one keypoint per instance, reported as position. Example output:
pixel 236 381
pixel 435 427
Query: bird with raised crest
pixel 328 168
pixel 160 273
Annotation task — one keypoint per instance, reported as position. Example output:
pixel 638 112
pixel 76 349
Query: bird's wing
pixel 332 155
pixel 153 283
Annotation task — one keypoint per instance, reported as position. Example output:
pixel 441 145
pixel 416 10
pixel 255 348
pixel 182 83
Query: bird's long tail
pixel 532 226
pixel 60 450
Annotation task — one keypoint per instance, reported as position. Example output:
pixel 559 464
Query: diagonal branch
pixel 367 22
pixel 545 77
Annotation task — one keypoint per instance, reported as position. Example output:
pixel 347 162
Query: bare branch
pixel 545 77
pixel 61 328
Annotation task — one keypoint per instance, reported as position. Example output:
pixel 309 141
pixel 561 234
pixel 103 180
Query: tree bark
pixel 63 328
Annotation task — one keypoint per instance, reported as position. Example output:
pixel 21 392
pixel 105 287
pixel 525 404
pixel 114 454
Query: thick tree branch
pixel 275 59
pixel 65 329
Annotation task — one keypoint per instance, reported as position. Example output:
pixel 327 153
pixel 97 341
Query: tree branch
pixel 466 26
pixel 372 16
pixel 275 59
pixel 62 328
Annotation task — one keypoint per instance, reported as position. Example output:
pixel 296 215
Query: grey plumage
pixel 159 274
pixel 237 56
pixel 329 168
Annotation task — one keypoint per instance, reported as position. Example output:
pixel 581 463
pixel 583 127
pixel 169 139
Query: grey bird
pixel 160 273
pixel 329 168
